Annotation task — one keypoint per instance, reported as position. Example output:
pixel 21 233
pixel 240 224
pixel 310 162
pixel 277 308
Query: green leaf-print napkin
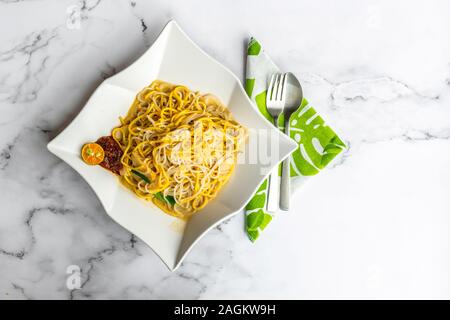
pixel 318 144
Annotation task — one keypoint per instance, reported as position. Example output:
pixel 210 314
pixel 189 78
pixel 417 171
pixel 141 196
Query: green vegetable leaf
pixel 159 196
pixel 141 175
pixel 169 199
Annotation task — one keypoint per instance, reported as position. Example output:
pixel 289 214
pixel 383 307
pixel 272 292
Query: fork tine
pixel 270 89
pixel 276 87
pixel 280 91
pixel 282 88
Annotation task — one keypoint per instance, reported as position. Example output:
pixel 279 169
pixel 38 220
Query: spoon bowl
pixel 294 95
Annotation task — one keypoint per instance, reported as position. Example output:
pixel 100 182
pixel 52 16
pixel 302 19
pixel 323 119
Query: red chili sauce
pixel 113 153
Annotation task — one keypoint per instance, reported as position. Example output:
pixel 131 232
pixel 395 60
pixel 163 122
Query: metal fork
pixel 275 104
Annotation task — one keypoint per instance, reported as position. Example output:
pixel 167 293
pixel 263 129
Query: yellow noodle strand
pixel 177 139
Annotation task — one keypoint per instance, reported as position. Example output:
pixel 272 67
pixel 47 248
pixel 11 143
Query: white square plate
pixel 173 58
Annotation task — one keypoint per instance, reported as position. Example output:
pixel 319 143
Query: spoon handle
pixel 285 188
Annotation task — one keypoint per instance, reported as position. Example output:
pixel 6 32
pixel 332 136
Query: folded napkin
pixel 318 144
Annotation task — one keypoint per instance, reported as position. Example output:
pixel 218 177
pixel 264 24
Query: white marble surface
pixel 376 224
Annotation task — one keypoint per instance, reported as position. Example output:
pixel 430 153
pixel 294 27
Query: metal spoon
pixel 294 96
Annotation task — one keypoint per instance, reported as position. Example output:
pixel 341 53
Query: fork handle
pixel 273 191
pixel 285 188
